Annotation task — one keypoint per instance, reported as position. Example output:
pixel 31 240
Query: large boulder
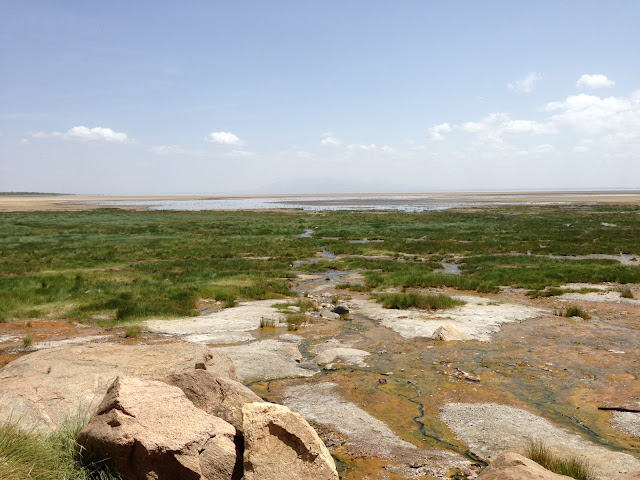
pixel 42 389
pixel 219 396
pixel 281 444
pixel 149 430
pixel 513 466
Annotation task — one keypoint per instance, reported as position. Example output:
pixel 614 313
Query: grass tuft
pixel 133 331
pixel 267 323
pixel 38 456
pixel 408 300
pixel 574 311
pixel 27 340
pixel 626 293
pixel 570 466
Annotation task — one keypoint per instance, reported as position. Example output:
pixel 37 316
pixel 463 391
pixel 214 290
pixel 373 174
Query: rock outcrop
pixel 41 390
pixel 448 333
pixel 281 444
pixel 513 466
pixel 150 430
pixel 217 396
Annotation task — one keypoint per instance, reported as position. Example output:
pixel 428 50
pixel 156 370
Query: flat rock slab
pixel 367 435
pixel 479 318
pixel 490 429
pixel 42 389
pixel 224 326
pixel 335 351
pixel 267 359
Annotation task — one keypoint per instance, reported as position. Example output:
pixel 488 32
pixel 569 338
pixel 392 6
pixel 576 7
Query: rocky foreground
pixel 178 411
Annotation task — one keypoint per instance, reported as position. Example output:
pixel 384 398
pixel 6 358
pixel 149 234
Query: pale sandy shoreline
pixel 18 203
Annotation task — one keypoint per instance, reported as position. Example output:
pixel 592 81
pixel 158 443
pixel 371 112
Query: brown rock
pixel 281 444
pixel 42 389
pixel 217 396
pixel 513 466
pixel 149 430
pixel 449 333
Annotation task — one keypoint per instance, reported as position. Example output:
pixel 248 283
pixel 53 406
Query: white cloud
pixel 544 148
pixel 526 84
pixel 524 127
pixel 85 134
pixel 223 138
pixel 24 141
pixel 618 116
pixel 241 153
pixel 580 149
pixel 330 140
pixel 177 150
pixel 362 146
pixel 494 126
pixel 436 132
pixel 594 81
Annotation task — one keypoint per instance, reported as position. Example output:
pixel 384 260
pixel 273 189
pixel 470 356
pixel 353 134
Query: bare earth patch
pixel 490 429
pixel 479 317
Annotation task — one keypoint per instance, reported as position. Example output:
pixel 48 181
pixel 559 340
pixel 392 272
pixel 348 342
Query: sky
pixel 304 96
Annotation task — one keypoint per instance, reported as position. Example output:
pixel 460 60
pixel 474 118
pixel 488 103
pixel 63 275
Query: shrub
pixel 570 466
pixel 27 340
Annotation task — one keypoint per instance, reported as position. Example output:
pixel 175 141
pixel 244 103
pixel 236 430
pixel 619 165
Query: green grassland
pixel 139 264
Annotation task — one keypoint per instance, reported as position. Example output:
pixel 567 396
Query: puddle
pixel 308 233
pixel 450 268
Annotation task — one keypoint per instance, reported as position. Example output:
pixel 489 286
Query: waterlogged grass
pixel 415 300
pixel 132 265
pixel 570 466
pixel 37 456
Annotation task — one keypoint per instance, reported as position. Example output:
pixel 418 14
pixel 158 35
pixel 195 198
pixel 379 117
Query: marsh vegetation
pixel 127 265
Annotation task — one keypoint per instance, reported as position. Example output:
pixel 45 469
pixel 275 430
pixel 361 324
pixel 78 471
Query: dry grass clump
pixel 570 466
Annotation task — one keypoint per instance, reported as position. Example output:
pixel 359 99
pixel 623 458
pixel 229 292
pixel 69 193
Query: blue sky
pixel 302 96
